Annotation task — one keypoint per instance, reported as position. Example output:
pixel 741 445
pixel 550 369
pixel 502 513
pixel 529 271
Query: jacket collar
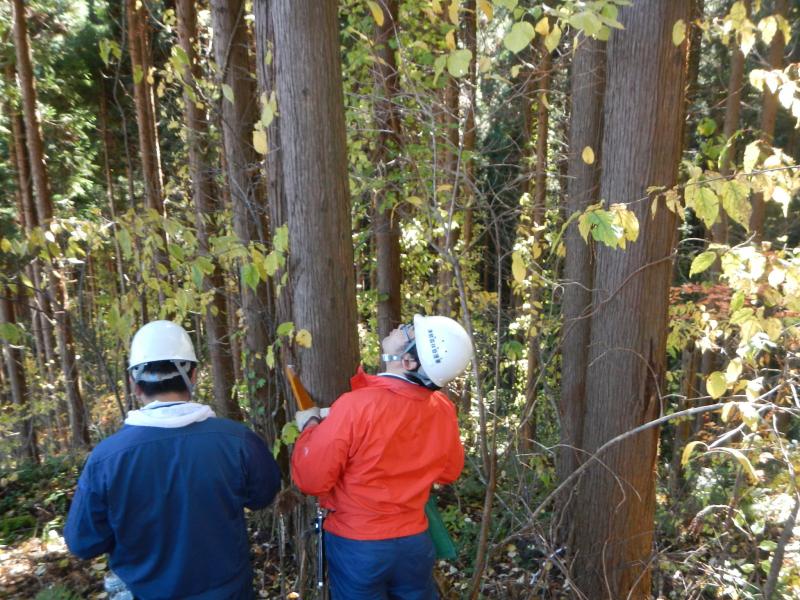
pixel 399 386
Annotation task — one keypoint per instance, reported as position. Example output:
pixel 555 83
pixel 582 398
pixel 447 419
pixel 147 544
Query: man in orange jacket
pixel 373 460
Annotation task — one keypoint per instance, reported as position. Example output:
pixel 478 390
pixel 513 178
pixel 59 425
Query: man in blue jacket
pixel 165 496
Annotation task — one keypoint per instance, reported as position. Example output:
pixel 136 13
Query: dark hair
pixel 173 384
pixel 418 375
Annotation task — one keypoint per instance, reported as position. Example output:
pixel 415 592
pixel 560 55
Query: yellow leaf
pixel 727 410
pixel 588 155
pixel 768 26
pixel 415 200
pixel 687 451
pixel 747 40
pixel 716 384
pixel 5 245
pixel 553 38
pixel 750 415
pixel 450 39
pixel 377 12
pixel 745 462
pixel 753 390
pixel 303 338
pixel 543 26
pixel 453 11
pixel 518 267
pixel 679 32
pixel 484 64
pixel 733 371
pixel 487 8
pixel 260 141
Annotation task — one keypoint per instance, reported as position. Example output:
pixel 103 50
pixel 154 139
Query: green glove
pixel 442 542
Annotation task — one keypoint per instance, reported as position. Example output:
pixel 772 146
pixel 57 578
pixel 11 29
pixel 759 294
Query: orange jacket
pixel 373 460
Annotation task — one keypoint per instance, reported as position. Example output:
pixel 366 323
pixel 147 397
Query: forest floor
pixel 35 563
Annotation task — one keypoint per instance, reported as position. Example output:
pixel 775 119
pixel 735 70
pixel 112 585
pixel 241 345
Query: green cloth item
pixel 442 542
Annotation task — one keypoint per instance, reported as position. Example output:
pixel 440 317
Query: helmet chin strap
pixel 387 358
pixel 184 371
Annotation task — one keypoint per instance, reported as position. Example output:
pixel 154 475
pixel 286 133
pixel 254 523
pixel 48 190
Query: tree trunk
pixel 238 120
pixel 309 190
pixel 386 227
pixel 138 48
pixel 539 192
pixel 588 84
pixel 643 122
pixel 15 366
pixel 44 206
pixel 769 114
pixel 470 33
pixel 205 197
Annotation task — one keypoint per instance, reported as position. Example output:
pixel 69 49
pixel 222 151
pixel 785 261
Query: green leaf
pixel 227 91
pixel 285 329
pixel 702 261
pixel 519 37
pixel 586 21
pixel 290 433
pixel 509 4
pixel 716 384
pixel 11 333
pixel 138 74
pixel 736 202
pixel 737 301
pixel 603 228
pixel 458 62
pixel 280 241
pixel 250 275
pixel 271 263
pixel 518 267
pixel 438 66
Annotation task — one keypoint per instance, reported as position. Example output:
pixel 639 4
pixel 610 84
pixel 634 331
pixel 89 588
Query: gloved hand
pixel 302 417
pixel 323 412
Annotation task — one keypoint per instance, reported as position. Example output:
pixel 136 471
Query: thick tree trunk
pixel 588 84
pixel 769 114
pixel 309 189
pixel 643 124
pixel 205 196
pixel 386 222
pixel 15 366
pixel 138 48
pixel 238 120
pixel 44 209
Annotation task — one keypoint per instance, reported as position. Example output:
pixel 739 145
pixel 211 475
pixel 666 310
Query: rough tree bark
pixel 205 197
pixel 308 189
pixel 238 118
pixel 643 123
pixel 386 222
pixel 138 48
pixel 44 208
pixel 769 114
pixel 587 87
pixel 15 365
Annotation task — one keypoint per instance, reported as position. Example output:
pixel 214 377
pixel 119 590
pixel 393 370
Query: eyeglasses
pixel 405 327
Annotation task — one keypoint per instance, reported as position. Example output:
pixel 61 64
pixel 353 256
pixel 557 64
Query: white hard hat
pixel 161 340
pixel 443 347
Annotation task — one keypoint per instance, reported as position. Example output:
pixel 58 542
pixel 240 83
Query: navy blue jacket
pixel 167 506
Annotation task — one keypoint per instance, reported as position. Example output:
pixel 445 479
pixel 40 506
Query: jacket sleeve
pixel 262 474
pixel 87 531
pixel 321 452
pixel 455 450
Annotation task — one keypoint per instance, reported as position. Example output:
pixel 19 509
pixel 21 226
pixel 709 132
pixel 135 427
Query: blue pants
pixel 393 569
